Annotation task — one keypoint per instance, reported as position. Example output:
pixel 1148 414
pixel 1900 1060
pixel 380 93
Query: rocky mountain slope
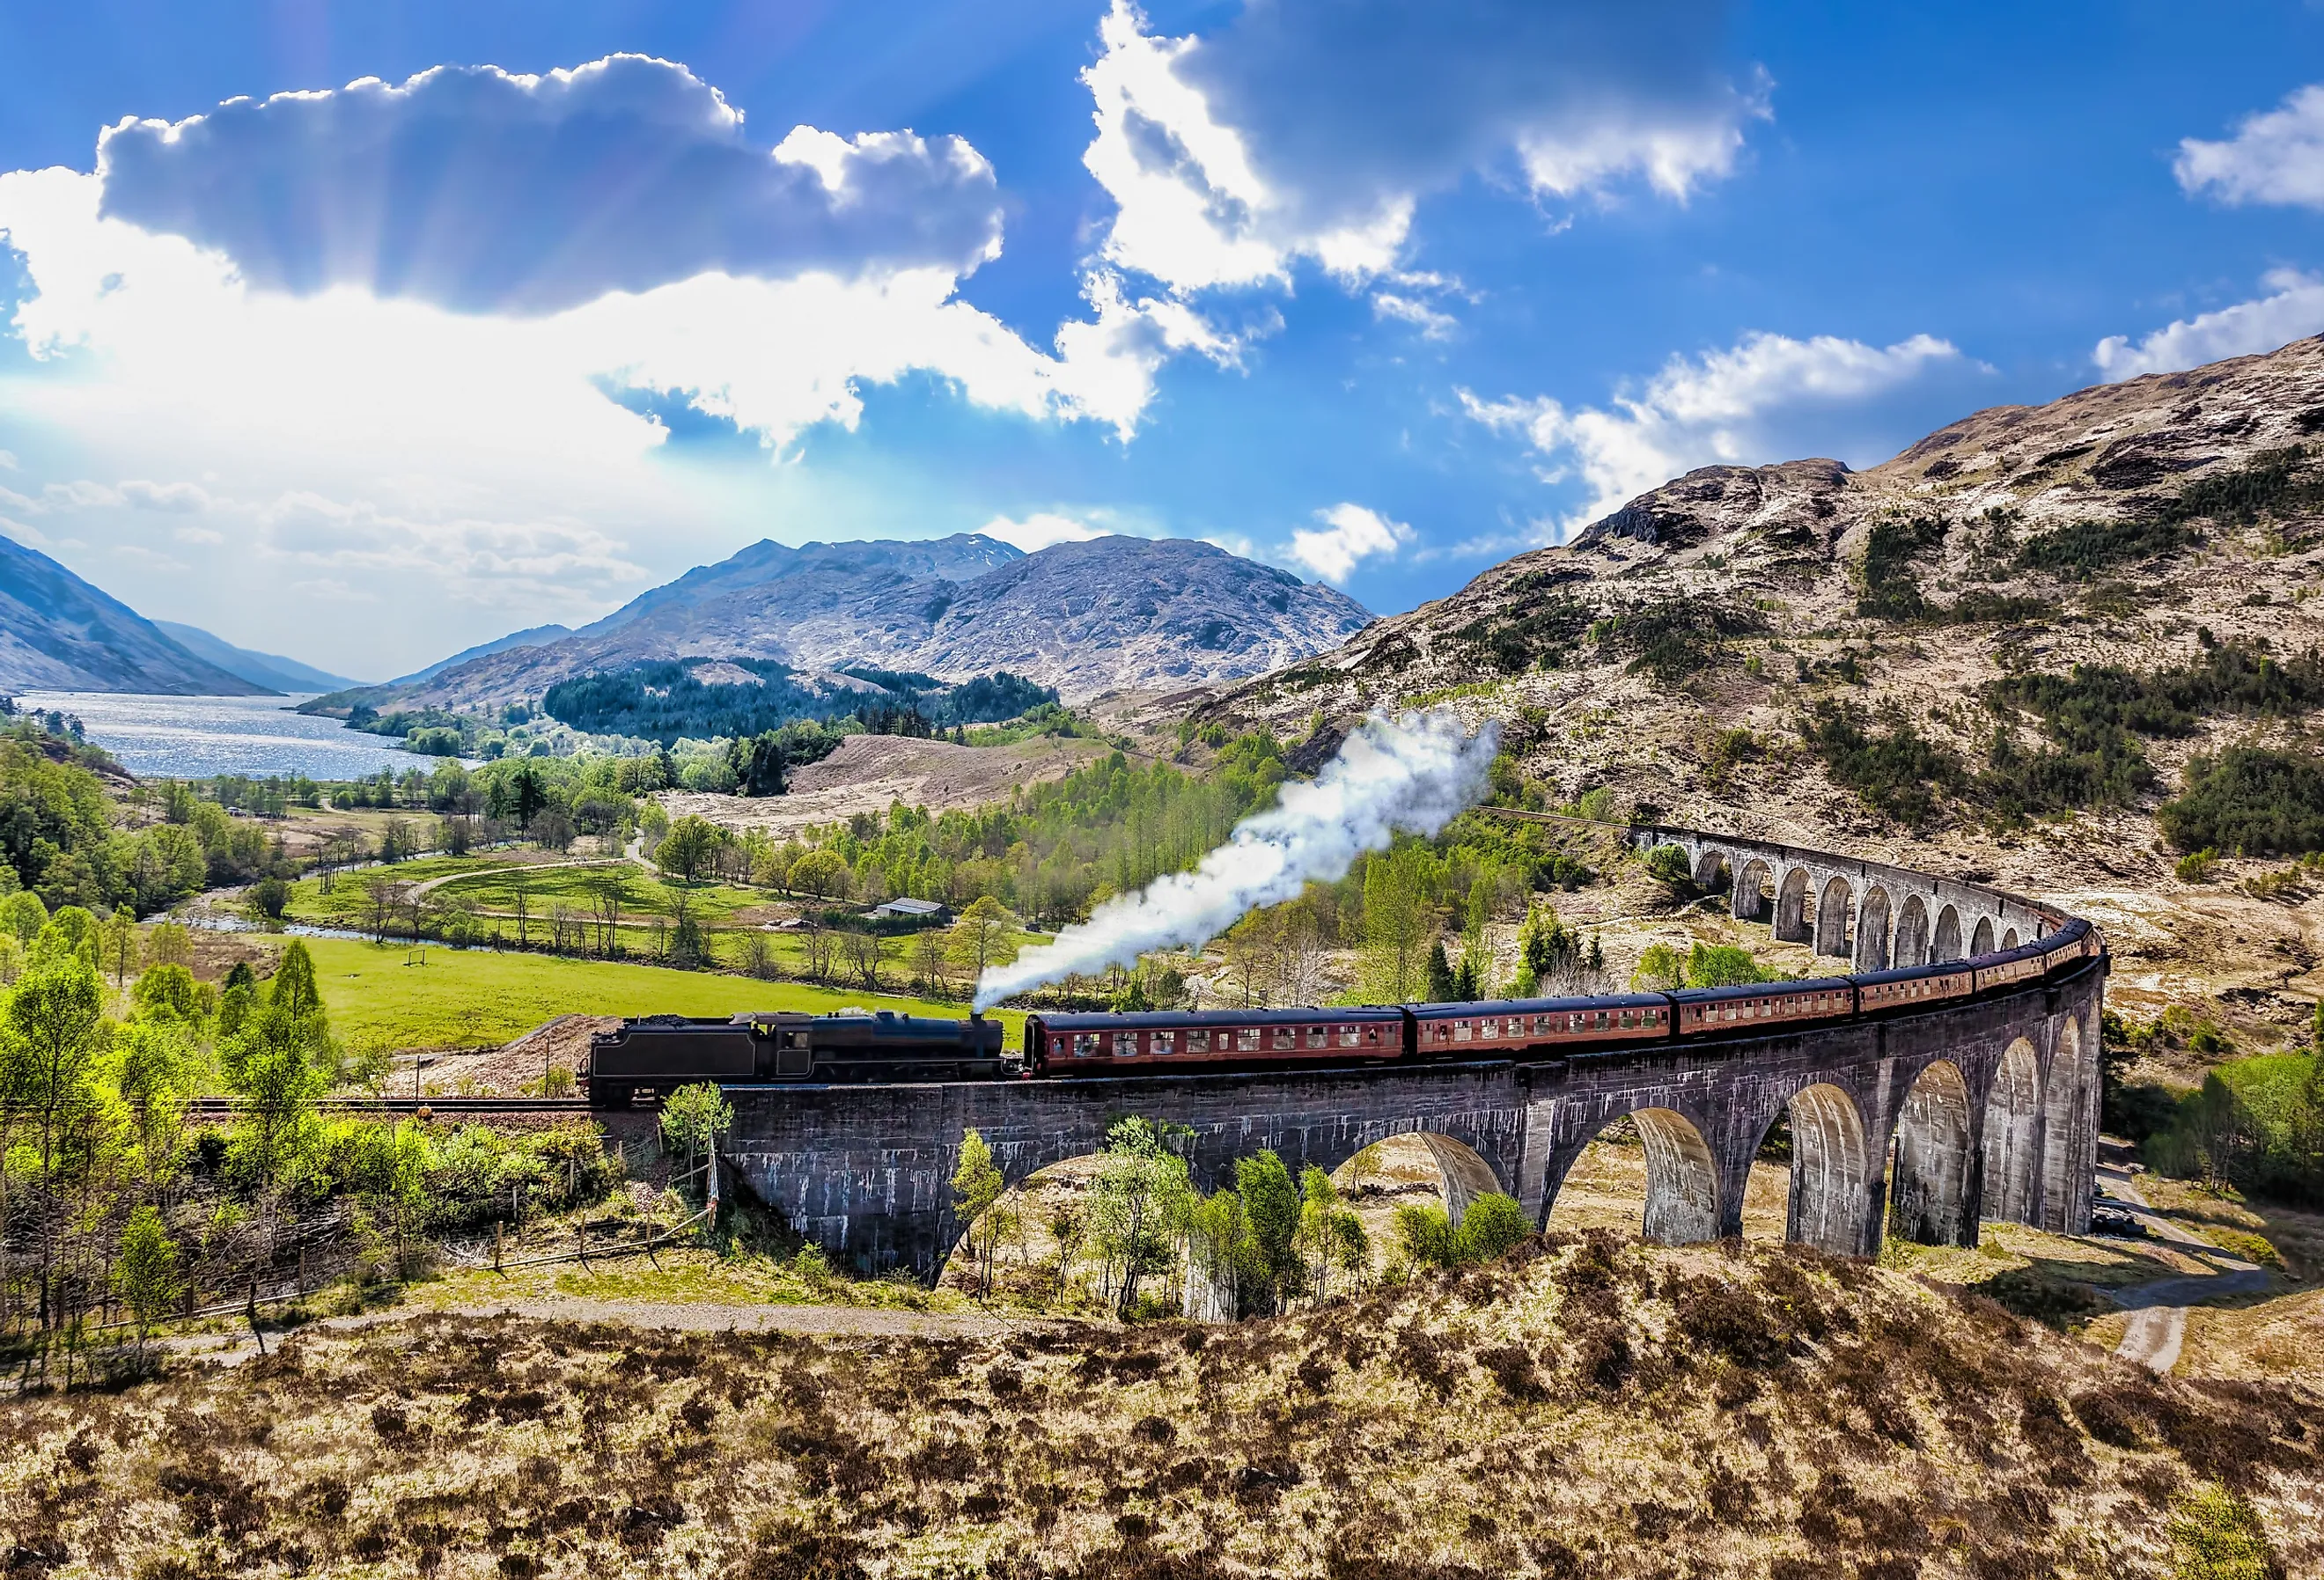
pixel 59 634
pixel 1884 660
pixel 271 670
pixel 1107 614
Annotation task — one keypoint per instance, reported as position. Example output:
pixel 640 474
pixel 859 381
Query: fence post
pixel 497 1244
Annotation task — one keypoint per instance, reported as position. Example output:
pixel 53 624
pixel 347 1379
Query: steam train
pixel 646 1059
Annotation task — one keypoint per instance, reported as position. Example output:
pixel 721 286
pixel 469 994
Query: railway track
pixel 449 1107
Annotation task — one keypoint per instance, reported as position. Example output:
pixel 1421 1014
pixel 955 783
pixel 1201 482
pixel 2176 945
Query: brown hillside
pixel 1585 1410
pixel 2018 540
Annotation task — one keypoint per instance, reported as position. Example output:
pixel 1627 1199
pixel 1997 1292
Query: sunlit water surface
pixel 197 737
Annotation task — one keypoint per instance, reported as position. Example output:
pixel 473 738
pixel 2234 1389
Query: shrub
pixel 2197 866
pixel 1898 773
pixel 2254 800
pixel 1491 1225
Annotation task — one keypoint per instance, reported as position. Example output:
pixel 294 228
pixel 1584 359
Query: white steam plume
pixel 1413 773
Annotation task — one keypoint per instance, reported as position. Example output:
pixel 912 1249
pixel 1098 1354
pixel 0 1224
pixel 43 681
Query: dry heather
pixel 1585 1410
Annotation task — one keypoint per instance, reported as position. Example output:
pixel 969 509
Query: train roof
pixel 1754 990
pixel 1143 1020
pixel 1912 972
pixel 1612 1000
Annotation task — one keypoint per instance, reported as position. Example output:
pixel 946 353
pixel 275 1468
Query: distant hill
pixel 534 636
pixel 59 634
pixel 271 670
pixel 1112 614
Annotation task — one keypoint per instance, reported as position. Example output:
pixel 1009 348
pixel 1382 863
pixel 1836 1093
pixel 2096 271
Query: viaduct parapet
pixel 1971 1109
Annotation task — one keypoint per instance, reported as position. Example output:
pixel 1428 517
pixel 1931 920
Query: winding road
pixel 2157 1329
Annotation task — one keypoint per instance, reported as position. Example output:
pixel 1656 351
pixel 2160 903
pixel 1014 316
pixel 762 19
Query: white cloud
pixel 1433 324
pixel 202 537
pixel 1039 531
pixel 8 462
pixel 485 191
pixel 1350 533
pixel 1723 407
pixel 183 497
pixel 2274 157
pixel 151 560
pixel 2294 307
pixel 1314 128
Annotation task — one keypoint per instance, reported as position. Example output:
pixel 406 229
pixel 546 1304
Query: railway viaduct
pixel 1921 1121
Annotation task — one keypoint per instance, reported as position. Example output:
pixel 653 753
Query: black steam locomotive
pixel 647 1059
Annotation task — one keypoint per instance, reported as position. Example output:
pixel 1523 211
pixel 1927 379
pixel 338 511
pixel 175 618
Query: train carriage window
pixel 1352 1036
pixel 1248 1039
pixel 1166 1042
pixel 1489 1030
pixel 1371 1033
pixel 1084 1044
pixel 1319 1036
pixel 1462 1030
pixel 1125 1045
pixel 1198 1042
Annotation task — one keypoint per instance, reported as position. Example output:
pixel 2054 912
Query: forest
pixel 667 701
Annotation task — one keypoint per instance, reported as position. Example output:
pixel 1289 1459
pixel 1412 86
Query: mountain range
pixel 59 634
pixel 271 671
pixel 1108 615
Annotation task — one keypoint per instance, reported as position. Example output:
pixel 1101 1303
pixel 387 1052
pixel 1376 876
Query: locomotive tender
pixel 647 1059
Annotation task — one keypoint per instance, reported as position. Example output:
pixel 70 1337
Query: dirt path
pixel 2157 1327
pixel 430 885
pixel 677 1317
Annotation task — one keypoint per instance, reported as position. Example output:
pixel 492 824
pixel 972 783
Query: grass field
pixel 576 887
pixel 465 999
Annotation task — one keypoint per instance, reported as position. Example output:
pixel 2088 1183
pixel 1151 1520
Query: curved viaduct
pixel 1985 1108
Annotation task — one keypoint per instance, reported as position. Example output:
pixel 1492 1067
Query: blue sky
pixel 1383 293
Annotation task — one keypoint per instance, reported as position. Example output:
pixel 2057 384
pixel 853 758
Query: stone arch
pixel 2013 1111
pixel 1912 945
pixel 1466 1173
pixel 1681 1186
pixel 1872 930
pixel 1792 908
pixel 1754 899
pixel 1708 868
pixel 1831 917
pixel 2010 939
pixel 1030 1184
pixel 1981 942
pixel 2068 1131
pixel 1833 1176
pixel 1947 942
pixel 1929 1188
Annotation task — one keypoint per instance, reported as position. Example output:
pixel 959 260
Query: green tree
pixel 694 1117
pixel 979 933
pixel 976 1187
pixel 53 1020
pixel 146 1270
pixel 117 944
pixel 1661 967
pixel 1273 1204
pixel 1397 922
pixel 170 993
pixel 23 914
pixel 820 873
pixel 1491 1225
pixel 294 989
pixel 1442 984
pixel 1139 1198
pixel 686 850
pixel 271 1067
pixel 155 1071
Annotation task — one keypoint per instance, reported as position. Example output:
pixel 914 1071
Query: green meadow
pixel 468 998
